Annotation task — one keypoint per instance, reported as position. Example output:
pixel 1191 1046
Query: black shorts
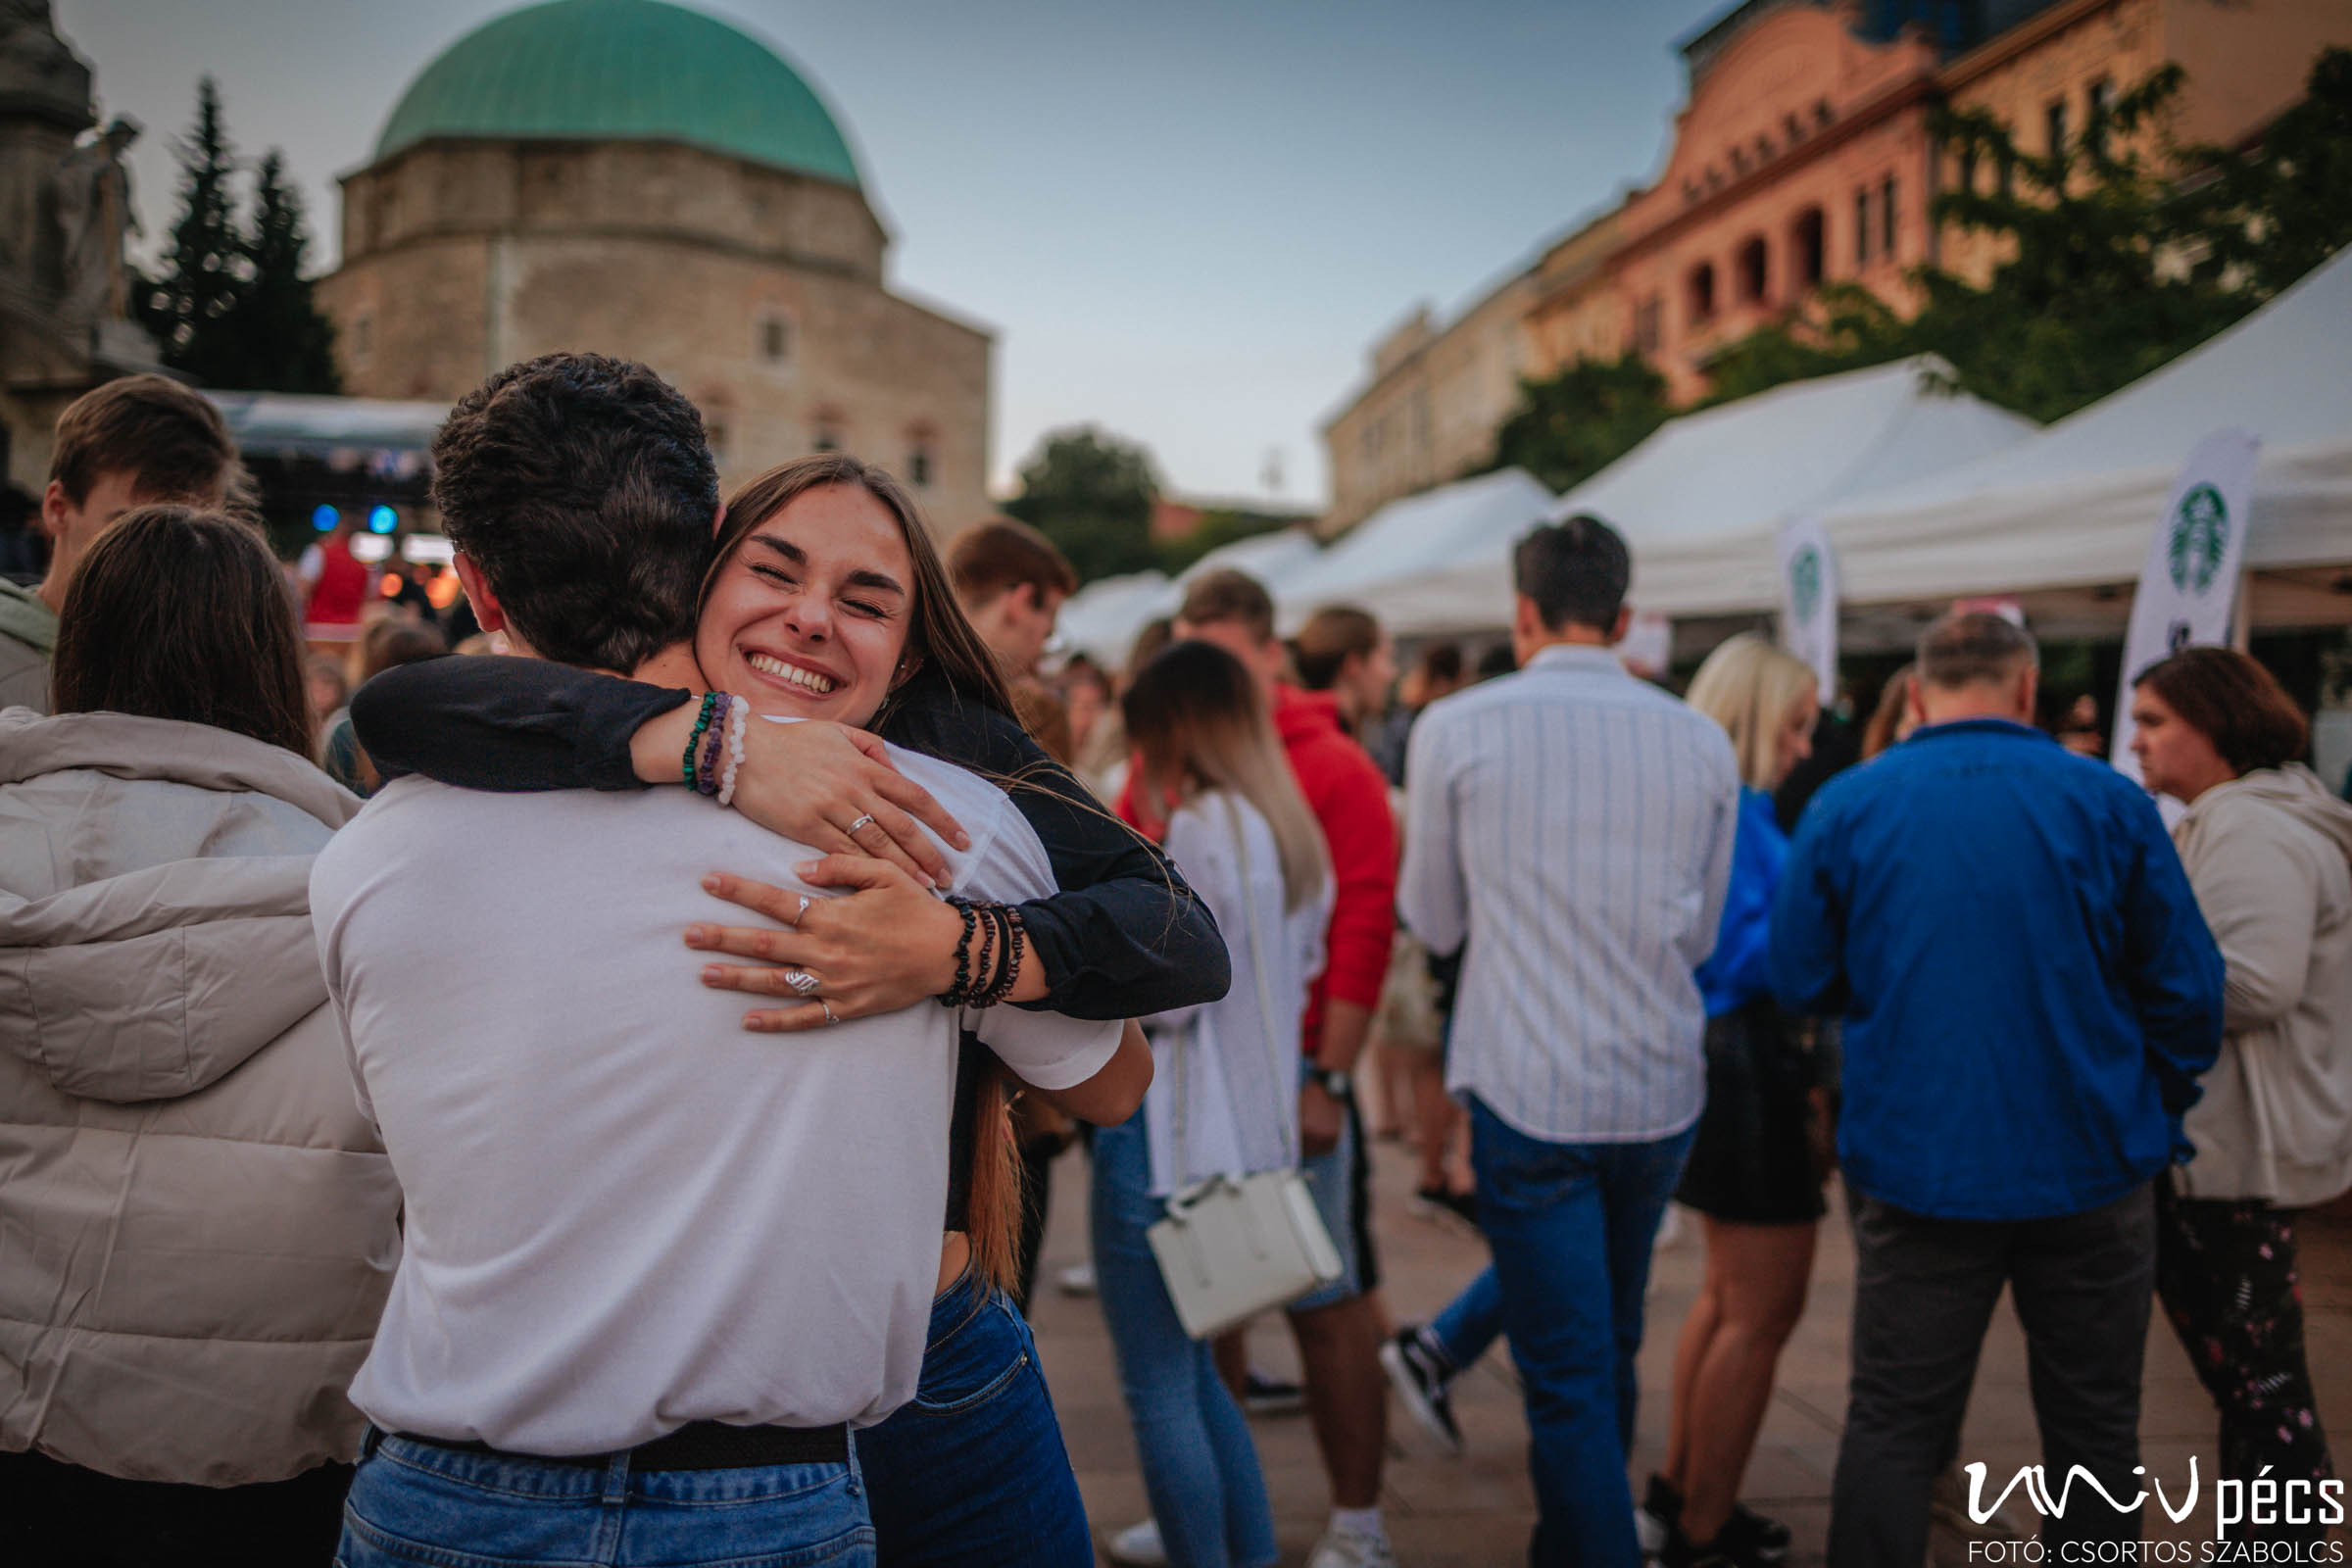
pixel 1751 1162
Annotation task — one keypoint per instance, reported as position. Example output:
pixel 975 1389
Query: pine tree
pixel 205 268
pixel 278 340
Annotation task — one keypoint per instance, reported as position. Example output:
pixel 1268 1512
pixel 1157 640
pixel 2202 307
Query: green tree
pixel 1091 493
pixel 278 340
pixel 1572 426
pixel 204 269
pixel 2265 216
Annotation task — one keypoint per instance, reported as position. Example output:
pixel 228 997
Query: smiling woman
pixel 826 597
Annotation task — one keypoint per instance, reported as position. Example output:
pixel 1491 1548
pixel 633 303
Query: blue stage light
pixel 325 518
pixel 382 519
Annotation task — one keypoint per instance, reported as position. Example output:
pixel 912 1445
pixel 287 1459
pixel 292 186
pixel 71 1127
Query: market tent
pixel 1699 500
pixel 1408 538
pixel 2073 505
pixel 1101 618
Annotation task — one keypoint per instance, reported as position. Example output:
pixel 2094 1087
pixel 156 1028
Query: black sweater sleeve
pixel 1123 939
pixel 517 724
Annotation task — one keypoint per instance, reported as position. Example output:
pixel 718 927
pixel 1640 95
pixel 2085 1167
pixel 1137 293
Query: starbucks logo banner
pixel 1809 601
pixel 2188 585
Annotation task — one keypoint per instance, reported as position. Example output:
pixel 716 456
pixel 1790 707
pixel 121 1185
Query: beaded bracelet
pixel 981 976
pixel 738 717
pixel 960 991
pixel 1015 939
pixel 705 767
pixel 694 741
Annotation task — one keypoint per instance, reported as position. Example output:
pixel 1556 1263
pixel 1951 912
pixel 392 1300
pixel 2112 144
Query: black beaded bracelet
pixel 957 995
pixel 1015 939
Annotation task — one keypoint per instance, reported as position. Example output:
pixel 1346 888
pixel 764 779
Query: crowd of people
pixel 422 1181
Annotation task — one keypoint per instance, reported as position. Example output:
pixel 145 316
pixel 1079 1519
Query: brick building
pixel 1802 155
pixel 636 178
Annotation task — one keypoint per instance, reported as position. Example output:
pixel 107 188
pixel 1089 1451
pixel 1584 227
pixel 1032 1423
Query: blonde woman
pixel 1750 1175
pixel 1209 763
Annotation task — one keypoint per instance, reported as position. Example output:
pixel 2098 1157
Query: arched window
pixel 1805 249
pixel 1752 266
pixel 1702 291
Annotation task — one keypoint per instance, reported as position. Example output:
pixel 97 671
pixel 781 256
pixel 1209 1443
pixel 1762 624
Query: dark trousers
pixel 60 1515
pixel 1924 1293
pixel 2225 1273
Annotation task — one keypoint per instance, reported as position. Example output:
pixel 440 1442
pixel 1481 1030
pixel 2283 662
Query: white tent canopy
pixel 2073 505
pixel 1698 501
pixel 1101 618
pixel 1407 539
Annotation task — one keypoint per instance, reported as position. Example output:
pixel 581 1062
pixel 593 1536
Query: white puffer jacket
pixel 197 1225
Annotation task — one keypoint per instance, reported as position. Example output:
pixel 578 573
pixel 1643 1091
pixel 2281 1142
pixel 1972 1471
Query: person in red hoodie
pixel 1338 1327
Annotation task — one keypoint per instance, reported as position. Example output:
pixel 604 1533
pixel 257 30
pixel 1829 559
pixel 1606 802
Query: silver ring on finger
pixel 866 820
pixel 800 981
pixel 828 1007
pixel 801 914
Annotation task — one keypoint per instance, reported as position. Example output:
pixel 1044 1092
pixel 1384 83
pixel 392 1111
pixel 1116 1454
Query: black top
pixel 1123 939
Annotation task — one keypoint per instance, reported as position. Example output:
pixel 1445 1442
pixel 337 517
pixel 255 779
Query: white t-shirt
pixel 623 1211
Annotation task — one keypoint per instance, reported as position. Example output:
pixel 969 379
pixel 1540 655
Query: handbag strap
pixel 1257 968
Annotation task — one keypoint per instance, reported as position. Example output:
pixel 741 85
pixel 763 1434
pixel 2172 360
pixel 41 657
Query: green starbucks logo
pixel 2201 534
pixel 1804 582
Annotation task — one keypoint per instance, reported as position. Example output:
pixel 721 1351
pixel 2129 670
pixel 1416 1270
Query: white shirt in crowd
pixel 623 1211
pixel 1575 825
pixel 1235 1066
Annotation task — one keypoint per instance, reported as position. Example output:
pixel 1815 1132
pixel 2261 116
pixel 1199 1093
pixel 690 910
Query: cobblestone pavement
pixel 1477 1510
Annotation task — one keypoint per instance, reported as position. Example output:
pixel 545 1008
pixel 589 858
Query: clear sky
pixel 1186 222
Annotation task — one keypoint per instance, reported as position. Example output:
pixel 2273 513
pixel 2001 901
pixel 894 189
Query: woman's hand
pixel 815 781
pixel 889 944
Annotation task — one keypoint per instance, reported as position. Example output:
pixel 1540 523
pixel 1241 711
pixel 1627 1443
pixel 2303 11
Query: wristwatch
pixel 1334 1081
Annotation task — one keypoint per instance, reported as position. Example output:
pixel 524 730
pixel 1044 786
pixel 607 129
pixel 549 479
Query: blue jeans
pixel 1200 1467
pixel 1471 1322
pixel 973 1472
pixel 413 1503
pixel 1571 1226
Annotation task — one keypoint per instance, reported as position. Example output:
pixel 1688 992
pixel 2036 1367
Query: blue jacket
pixel 1735 974
pixel 2028 988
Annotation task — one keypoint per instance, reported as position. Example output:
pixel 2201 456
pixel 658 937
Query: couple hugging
pixel 658 1263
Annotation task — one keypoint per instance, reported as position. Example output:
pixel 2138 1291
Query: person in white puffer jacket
pixel 197 1224
pixel 2268 853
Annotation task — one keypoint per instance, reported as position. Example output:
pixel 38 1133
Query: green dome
pixel 621 71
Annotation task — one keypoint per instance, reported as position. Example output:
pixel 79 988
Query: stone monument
pixel 65 208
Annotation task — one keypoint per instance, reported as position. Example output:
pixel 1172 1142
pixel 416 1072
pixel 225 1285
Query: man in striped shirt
pixel 1574 826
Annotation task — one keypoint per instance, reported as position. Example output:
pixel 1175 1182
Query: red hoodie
pixel 1344 790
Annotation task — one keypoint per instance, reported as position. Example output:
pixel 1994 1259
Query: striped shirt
pixel 1575 825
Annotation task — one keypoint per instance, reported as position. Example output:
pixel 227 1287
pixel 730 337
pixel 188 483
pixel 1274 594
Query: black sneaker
pixel 1265 1395
pixel 1752 1538
pixel 1420 1384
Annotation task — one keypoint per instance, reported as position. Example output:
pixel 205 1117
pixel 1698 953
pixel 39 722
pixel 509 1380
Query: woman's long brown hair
pixel 941 645
pixel 181 614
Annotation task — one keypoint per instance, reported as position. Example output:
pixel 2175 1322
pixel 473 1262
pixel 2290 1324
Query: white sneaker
pixel 1344 1549
pixel 1138 1546
pixel 1078 1280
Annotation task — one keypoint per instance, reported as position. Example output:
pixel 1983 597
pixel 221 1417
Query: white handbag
pixel 1230 1248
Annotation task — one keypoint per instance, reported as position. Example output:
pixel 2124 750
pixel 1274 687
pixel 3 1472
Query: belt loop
pixel 857 1471
pixel 371 1438
pixel 616 1479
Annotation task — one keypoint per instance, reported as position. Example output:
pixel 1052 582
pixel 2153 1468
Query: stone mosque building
pixel 637 178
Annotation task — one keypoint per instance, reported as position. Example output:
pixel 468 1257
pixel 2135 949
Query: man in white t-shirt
pixel 655 1265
